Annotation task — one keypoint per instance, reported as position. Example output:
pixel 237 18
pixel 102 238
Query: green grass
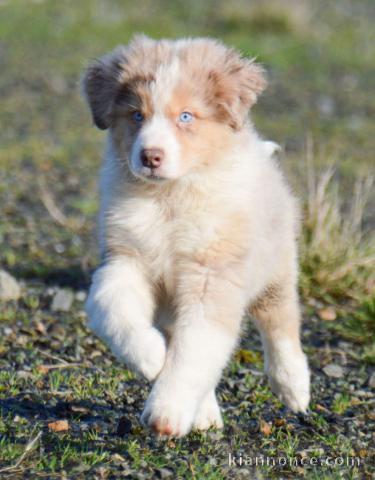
pixel 319 106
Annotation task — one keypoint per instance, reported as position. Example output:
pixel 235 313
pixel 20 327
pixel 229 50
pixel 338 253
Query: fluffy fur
pixel 191 245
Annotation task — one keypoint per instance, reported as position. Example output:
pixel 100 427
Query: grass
pixel 337 255
pixel 319 107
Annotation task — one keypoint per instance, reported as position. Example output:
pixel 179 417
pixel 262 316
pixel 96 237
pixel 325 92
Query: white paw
pixel 146 352
pixel 208 414
pixel 290 381
pixel 169 413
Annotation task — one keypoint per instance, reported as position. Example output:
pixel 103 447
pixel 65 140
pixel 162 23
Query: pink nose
pixel 152 157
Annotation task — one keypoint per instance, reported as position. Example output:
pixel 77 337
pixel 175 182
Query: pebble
pixel 371 382
pixel 84 426
pixel 59 426
pixel 81 296
pixel 9 287
pixel 62 301
pixel 328 314
pixel 333 370
pixel 23 375
pixel 363 393
pixel 164 473
pixel 116 457
pixel 60 248
pixel 102 472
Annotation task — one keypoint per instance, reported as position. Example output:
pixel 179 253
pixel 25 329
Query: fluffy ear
pixel 100 85
pixel 237 88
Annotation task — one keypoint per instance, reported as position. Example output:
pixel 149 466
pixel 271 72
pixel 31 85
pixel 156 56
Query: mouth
pixel 151 175
pixel 156 178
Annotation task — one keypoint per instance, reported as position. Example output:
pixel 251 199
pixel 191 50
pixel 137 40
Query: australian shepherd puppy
pixel 197 227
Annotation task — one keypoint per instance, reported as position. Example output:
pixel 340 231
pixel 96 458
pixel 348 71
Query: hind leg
pixel 277 316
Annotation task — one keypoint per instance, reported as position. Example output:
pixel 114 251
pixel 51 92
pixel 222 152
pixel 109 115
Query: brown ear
pixel 237 88
pixel 100 85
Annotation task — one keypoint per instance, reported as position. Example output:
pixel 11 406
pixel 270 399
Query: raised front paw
pixel 168 413
pixel 146 352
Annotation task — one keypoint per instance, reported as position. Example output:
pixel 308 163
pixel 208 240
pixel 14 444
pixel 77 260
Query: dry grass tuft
pixel 337 256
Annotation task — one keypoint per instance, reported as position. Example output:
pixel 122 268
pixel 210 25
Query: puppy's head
pixel 174 107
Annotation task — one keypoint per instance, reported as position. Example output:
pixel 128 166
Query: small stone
pixel 371 382
pixel 328 314
pixel 265 428
pixel 23 375
pixel 164 473
pixel 102 472
pixel 62 301
pixel 95 353
pixel 22 340
pixel 332 370
pixel 364 393
pixel 59 247
pixel 59 426
pixel 79 409
pixel 43 369
pixel 40 327
pixel 116 457
pixel 303 453
pixel 81 296
pixel 212 461
pixel 9 288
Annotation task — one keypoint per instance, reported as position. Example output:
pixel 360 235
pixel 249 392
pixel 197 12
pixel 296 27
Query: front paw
pixel 146 352
pixel 208 414
pixel 169 413
pixel 290 381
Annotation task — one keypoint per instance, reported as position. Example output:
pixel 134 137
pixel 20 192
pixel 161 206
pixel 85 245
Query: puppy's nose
pixel 152 157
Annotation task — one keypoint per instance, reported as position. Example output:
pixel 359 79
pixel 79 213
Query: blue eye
pixel 186 117
pixel 138 117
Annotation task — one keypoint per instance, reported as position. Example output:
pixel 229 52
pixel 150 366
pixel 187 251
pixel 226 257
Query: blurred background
pixel 319 105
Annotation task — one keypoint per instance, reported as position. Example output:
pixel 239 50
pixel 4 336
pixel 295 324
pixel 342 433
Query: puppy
pixel 197 227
